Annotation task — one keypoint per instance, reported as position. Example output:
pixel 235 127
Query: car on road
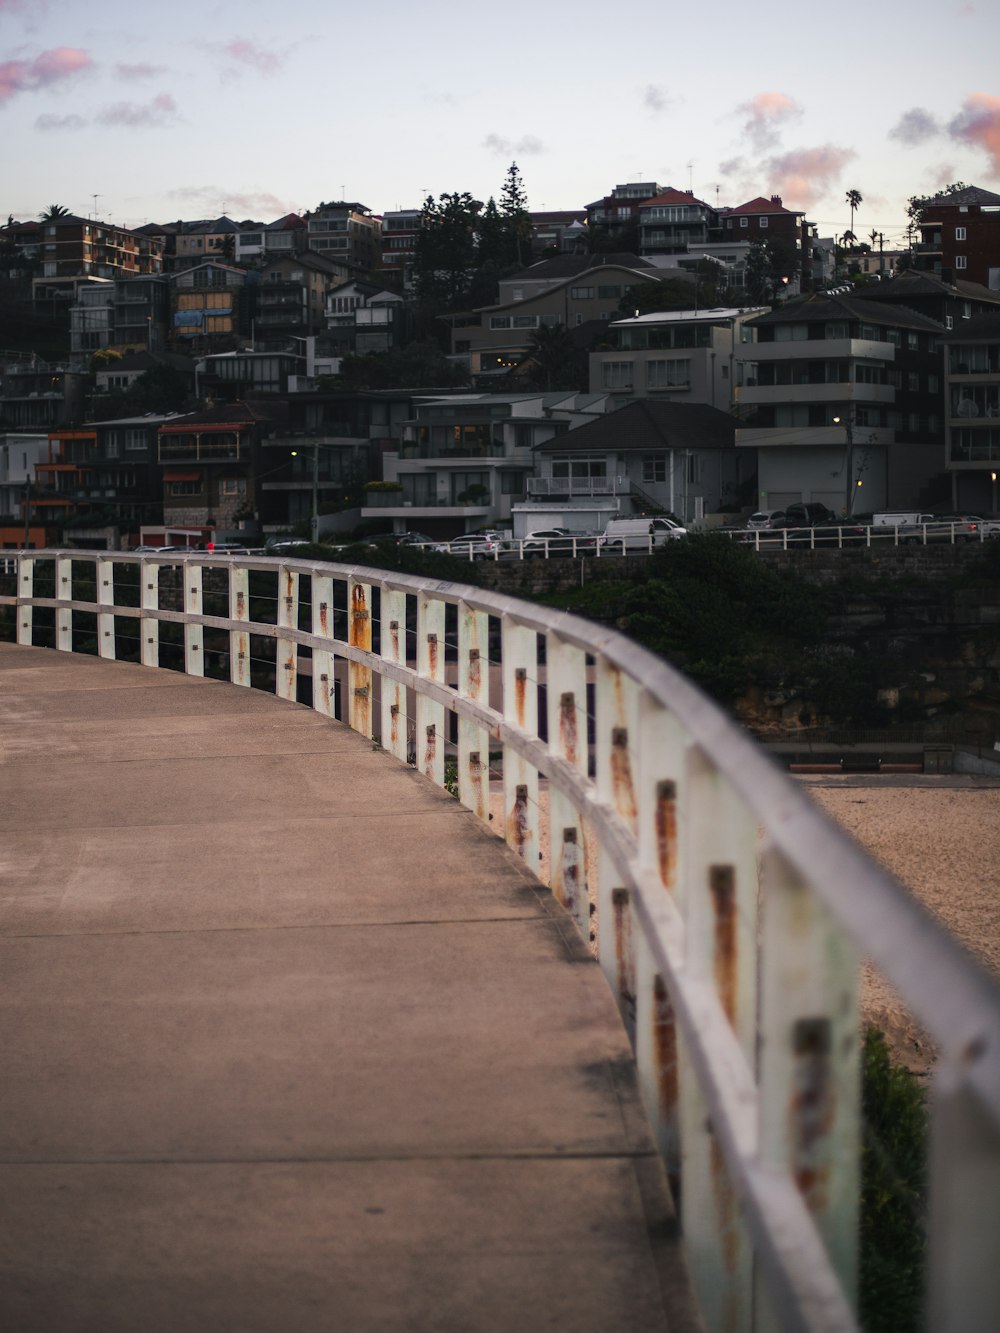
pixel 472 546
pixel 764 518
pixel 941 528
pixel 556 542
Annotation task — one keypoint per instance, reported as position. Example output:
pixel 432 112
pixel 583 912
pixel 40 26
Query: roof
pixel 709 316
pixel 980 328
pixel 649 424
pixel 972 194
pixel 823 307
pixel 672 196
pixel 760 205
pixel 912 284
pixel 571 266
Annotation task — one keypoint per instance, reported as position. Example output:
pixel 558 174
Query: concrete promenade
pixel 290 1042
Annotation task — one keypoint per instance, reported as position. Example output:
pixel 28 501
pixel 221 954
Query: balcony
pixel 550 487
pixel 818 349
pixel 809 437
pixel 752 395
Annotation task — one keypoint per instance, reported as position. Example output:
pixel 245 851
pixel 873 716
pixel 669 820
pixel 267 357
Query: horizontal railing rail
pixel 729 914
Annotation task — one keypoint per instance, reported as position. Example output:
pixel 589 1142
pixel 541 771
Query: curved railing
pixel 728 913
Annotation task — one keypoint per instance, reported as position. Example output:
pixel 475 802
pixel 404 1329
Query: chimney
pixel 776 200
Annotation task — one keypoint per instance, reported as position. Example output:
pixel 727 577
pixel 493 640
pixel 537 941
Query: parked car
pixel 640 533
pixel 803 514
pixel 226 548
pixel 941 528
pixel 765 518
pixel 556 542
pixel 472 546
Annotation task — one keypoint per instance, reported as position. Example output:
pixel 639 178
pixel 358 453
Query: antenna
pixel 690 166
pixel 95 198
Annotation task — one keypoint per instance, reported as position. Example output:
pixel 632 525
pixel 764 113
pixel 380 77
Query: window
pixel 959 233
pixel 617 374
pixel 183 487
pixel 609 293
pixel 744 222
pixel 960 261
pixel 763 222
pixel 913 381
pixel 949 323
pixel 499 321
pixel 675 374
pixel 933 384
pixel 581 293
pixel 654 467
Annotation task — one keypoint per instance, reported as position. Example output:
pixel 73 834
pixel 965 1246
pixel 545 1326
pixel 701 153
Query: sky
pixel 134 114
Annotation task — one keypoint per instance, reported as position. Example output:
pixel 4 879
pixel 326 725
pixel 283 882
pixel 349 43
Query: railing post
pixel 720 908
pixel 239 639
pixel 964 1232
pixel 474 683
pixel 809 1059
pixel 395 736
pixel 64 614
pixel 25 590
pixel 323 659
pixel 359 616
pixel 104 573
pixel 194 656
pixel 566 708
pixel 519 674
pixel 430 723
pixel 149 600
pixel 286 655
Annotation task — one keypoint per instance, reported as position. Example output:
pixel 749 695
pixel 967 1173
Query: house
pixel 960 236
pixel 71 247
pixel 673 222
pixel 117 376
pixel 362 317
pixel 614 220
pixel 207 463
pixel 789 237
pixel 837 394
pixel 972 412
pixel 125 314
pixel 463 460
pixel 20 454
pixel 211 238
pixel 36 395
pixel 929 294
pixel 559 231
pixel 292 296
pixel 257 242
pixel 685 355
pixel 568 290
pixel 645 458
pixel 210 307
pixel 346 231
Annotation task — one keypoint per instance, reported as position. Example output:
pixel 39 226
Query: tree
pixel 916 204
pixel 54 211
pixel 554 361
pixel 418 365
pixel 515 215
pixel 648 297
pixel 446 251
pixel 854 200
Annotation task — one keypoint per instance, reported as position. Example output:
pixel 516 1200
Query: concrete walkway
pixel 290 1041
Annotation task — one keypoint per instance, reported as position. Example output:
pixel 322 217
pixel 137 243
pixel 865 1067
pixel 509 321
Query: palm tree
pixel 853 198
pixel 54 211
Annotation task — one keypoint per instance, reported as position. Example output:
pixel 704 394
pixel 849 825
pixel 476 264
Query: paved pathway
pixel 291 1042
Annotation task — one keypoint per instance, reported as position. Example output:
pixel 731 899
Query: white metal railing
pixel 730 914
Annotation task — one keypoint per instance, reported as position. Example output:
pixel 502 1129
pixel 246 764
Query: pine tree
pixel 516 218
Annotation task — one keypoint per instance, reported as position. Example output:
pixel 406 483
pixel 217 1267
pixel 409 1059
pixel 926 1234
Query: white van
pixel 639 534
pixel 901 518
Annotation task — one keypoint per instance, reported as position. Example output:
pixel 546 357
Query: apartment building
pixel 684 355
pixel 972 406
pixel 346 231
pixel 842 400
pixel 960 237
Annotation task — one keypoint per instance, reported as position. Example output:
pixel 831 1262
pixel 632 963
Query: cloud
pixel 157 114
pixel 764 114
pixel 50 122
pixel 49 68
pixel 138 71
pixel 526 146
pixel 915 127
pixel 804 175
pixel 655 98
pixel 732 166
pixel 211 201
pixel 978 123
pixel 242 54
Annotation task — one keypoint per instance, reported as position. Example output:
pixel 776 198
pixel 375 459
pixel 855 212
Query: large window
pixel 654 467
pixel 616 374
pixel 675 374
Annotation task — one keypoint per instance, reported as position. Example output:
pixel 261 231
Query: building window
pixel 581 293
pixel 183 487
pixel 744 222
pixel 959 233
pixel 762 222
pixel 617 374
pixel 499 321
pixel 609 293
pixel 654 467
pixel 675 374
pixel 913 381
pixel 960 261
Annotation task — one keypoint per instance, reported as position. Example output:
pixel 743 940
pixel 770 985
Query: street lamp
pixel 849 461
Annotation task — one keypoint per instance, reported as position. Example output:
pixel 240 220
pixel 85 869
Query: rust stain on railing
pixel 394 724
pixel 430 750
pixel 476 783
pixel 811 1109
pixel 432 656
pixel 666 833
pixel 475 673
pixel 324 619
pixel 241 606
pixel 566 880
pixel 517 821
pixel 722 886
pixel 665 1048
pixel 567 726
pixel 394 640
pixel 361 628
pixel 624 959
pixel 520 695
pixel 622 785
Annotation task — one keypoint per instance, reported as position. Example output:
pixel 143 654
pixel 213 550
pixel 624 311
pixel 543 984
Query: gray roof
pixel 572 266
pixel 824 307
pixel 972 194
pixel 650 425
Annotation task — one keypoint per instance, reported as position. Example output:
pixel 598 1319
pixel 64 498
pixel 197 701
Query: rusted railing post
pixel 239 639
pixel 430 736
pixel 566 706
pixel 392 644
pixel 323 661
pixel 520 709
pixel 359 615
pixel 286 655
pixel 474 684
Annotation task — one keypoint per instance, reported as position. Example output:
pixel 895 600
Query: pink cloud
pixel 51 67
pixel 157 114
pixel 764 114
pixel 978 123
pixel 210 200
pixel 138 71
pixel 804 175
pixel 247 53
